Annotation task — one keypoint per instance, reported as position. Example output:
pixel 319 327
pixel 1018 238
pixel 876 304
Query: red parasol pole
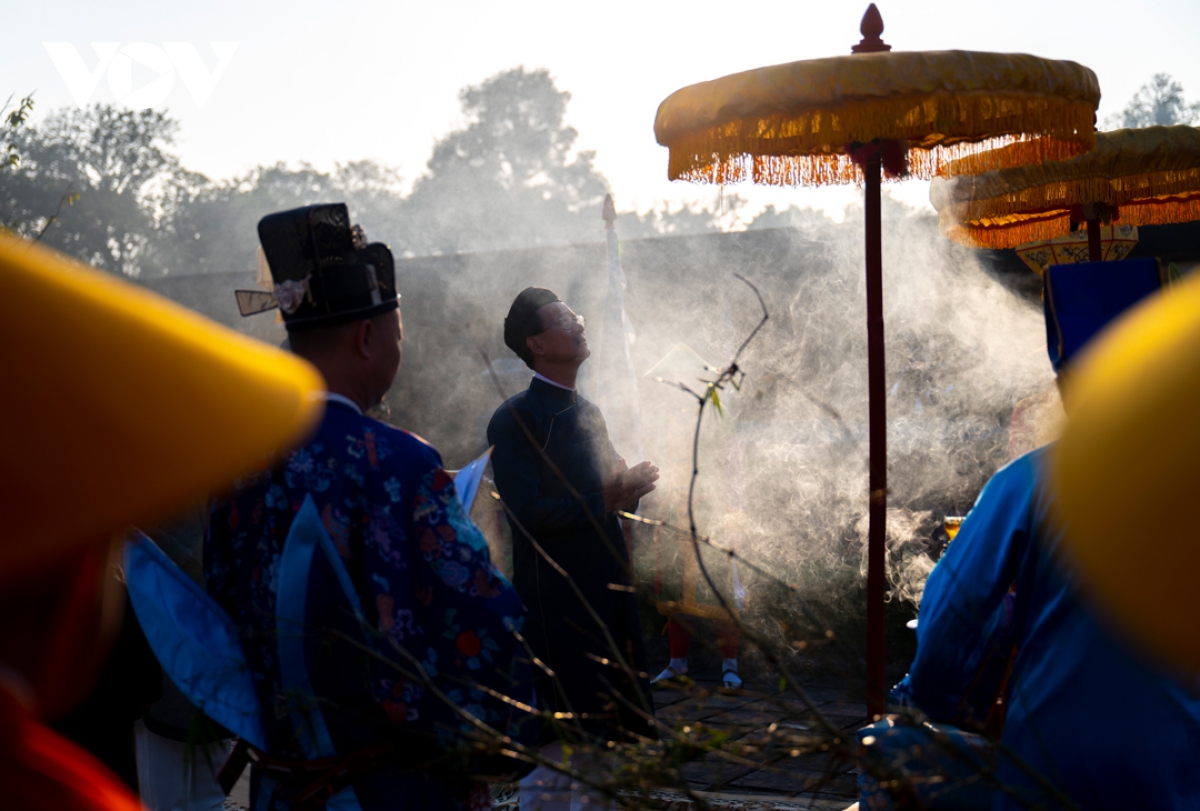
pixel 877 418
pixel 1094 251
pixel 871 28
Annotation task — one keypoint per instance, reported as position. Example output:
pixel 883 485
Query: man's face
pixel 562 338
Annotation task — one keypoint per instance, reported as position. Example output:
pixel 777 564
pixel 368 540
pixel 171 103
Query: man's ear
pixel 365 338
pixel 534 342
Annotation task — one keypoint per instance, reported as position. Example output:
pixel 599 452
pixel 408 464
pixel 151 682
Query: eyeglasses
pixel 566 323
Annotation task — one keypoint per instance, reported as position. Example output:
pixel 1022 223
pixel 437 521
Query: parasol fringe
pixel 1010 232
pixel 809 148
pixel 1062 194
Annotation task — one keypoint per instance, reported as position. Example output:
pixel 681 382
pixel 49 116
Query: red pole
pixel 877 417
pixel 1094 252
pixel 871 28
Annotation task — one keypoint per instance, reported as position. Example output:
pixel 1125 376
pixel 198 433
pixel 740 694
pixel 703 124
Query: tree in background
pixel 509 178
pixel 215 230
pixel 11 122
pixel 1158 102
pixel 117 163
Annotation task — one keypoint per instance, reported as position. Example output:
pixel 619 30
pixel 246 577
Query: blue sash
pixel 195 641
pixel 311 565
pixel 466 481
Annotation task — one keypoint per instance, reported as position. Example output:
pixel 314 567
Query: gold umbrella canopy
pixel 1146 176
pixel 795 124
pixel 122 407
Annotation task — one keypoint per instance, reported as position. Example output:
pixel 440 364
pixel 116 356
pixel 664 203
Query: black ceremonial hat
pixel 323 270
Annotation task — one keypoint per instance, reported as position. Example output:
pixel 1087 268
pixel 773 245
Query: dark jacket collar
pixel 543 389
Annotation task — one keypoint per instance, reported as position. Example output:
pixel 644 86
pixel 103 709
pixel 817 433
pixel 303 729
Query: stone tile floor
pixel 807 782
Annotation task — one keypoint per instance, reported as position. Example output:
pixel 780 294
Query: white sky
pixel 327 82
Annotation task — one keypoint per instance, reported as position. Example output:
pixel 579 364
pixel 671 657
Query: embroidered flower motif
pixel 468 643
pixel 397 711
pixel 384 605
pixel 454 574
pixel 275 498
pixel 428 542
pixel 335 524
pixel 484 586
pixel 392 486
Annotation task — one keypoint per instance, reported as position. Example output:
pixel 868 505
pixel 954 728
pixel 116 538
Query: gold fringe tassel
pixel 1057 194
pixel 1013 231
pixel 962 131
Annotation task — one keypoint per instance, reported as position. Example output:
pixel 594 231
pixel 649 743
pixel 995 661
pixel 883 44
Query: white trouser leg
pixel 584 797
pixel 544 789
pixel 175 777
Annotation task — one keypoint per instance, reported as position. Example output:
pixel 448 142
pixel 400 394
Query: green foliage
pixel 10 158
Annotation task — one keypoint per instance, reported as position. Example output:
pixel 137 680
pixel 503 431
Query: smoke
pixel 783 468
pixel 783 476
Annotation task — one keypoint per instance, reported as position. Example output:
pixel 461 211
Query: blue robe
pixel 570 449
pixel 426 583
pixel 1096 721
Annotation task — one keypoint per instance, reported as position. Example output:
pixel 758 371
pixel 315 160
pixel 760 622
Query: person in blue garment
pixel 1092 722
pixel 435 603
pixel 562 483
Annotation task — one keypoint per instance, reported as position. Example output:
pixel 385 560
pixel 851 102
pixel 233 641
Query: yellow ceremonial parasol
pixel 1132 177
pixel 1126 468
pixel 850 119
pixel 121 407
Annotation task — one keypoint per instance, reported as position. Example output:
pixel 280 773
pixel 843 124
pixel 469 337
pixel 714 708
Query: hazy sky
pixel 327 82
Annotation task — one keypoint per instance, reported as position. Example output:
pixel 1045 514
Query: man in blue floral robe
pixel 439 656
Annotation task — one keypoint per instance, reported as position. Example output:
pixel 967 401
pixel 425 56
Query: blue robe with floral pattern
pixel 428 589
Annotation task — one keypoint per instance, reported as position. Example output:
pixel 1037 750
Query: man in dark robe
pixel 562 483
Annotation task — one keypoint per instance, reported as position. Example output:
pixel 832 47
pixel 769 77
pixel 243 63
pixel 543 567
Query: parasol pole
pixel 1094 253
pixel 871 28
pixel 877 419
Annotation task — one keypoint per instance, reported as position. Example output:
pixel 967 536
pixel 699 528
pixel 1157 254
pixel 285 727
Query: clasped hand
pixel 626 485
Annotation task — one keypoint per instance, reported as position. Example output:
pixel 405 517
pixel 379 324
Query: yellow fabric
pixel 790 124
pixel 1126 470
pixel 1151 175
pixel 120 407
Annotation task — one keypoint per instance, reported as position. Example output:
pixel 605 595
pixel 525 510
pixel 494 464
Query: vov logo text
pixel 117 61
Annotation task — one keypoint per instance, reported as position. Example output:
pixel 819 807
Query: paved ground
pixel 816 781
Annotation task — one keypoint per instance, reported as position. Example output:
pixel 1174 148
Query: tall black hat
pixel 323 270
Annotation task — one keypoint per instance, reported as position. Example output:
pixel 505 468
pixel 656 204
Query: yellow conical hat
pixel 1127 470
pixel 121 407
